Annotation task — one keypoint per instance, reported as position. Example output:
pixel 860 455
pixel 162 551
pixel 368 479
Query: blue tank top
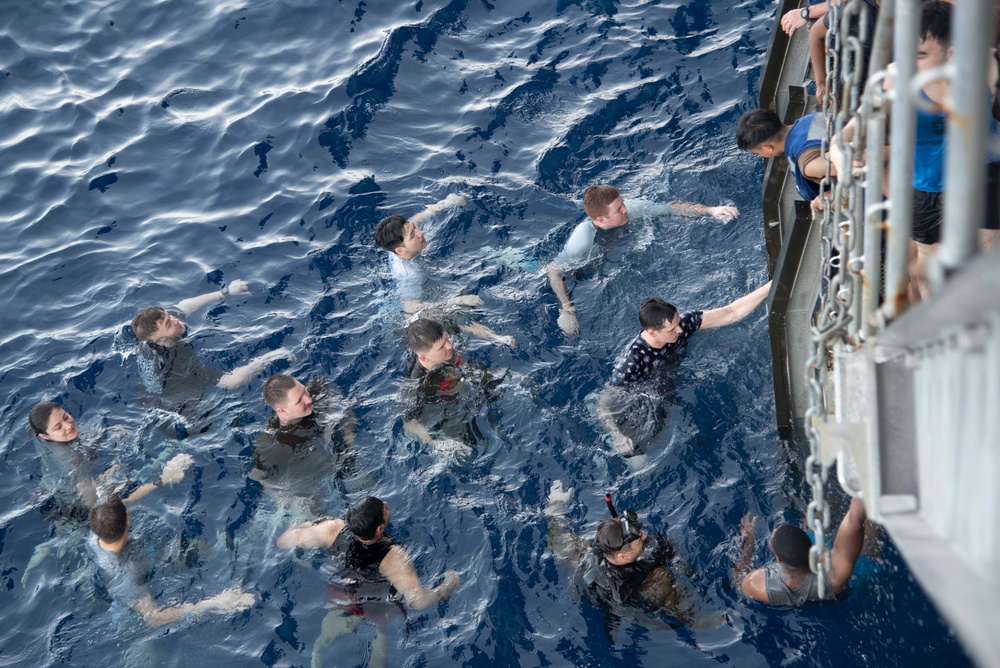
pixel 928 160
pixel 806 133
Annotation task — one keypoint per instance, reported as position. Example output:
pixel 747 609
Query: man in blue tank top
pixel 762 133
pixel 123 562
pixel 369 568
pixel 789 581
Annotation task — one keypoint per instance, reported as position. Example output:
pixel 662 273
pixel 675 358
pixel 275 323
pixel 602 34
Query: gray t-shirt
pixel 582 247
pixel 123 573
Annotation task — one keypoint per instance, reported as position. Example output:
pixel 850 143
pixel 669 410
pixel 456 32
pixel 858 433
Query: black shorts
pixel 928 210
pixel 992 221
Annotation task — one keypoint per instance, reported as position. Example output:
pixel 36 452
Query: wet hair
pixel 365 517
pixel 935 22
pixel 38 417
pixel 422 334
pixel 389 233
pixel 758 127
pixel 147 321
pixel 276 389
pixel 597 199
pixel 791 545
pixel 656 313
pixel 609 537
pixel 109 520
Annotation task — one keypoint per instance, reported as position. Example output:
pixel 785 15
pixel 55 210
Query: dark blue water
pixel 153 150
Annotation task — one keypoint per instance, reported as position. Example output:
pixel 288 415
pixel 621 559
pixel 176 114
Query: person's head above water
pixel 368 518
pixel 621 540
pixel 661 324
pixel 398 235
pixel 288 397
pixel 428 340
pixel 155 325
pixel 790 545
pixel 109 520
pixel 49 421
pixel 604 205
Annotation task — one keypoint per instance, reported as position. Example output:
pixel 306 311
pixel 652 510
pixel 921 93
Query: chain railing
pixel 838 319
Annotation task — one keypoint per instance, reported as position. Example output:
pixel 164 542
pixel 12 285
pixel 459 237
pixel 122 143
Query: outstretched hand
pixel 568 323
pixel 239 287
pixel 558 494
pixel 174 470
pixel 451 446
pixel 724 213
pixel 448 584
pixel 281 353
pixel 454 199
pixel 623 444
pixel 231 600
pixel 467 300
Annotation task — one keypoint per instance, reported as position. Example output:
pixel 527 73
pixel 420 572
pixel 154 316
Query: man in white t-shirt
pixel 606 210
pixel 404 240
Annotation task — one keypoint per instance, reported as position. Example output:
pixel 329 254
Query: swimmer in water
pixel 404 240
pixel 123 565
pixel 369 570
pixel 170 365
pixel 623 565
pixel 653 355
pixel 440 376
pixel 606 210
pixel 789 581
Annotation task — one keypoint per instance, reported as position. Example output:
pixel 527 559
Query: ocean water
pixel 155 150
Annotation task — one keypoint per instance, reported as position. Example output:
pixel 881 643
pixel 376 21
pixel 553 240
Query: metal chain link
pixel 841 249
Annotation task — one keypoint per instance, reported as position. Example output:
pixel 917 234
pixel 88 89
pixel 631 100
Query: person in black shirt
pixel 305 441
pixel 170 366
pixel 440 377
pixel 369 568
pixel 654 353
pixel 623 566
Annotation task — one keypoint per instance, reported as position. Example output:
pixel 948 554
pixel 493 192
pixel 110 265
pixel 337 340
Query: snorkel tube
pixel 611 506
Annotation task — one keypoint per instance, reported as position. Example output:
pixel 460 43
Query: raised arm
pixel 622 443
pixel 242 375
pixel 567 314
pixel 564 544
pixel 192 304
pixel 173 472
pixel 691 209
pixel 398 568
pixel 753 583
pixel 229 601
pixel 316 533
pixel 736 311
pixel 452 200
pixel 817 55
pixel 847 545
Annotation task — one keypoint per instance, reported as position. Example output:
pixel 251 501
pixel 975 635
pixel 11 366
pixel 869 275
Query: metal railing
pixel 917 436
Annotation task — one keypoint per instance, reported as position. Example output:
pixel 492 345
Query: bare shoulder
pixel 754 585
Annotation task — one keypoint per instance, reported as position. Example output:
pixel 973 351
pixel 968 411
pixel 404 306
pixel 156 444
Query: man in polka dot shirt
pixel 658 348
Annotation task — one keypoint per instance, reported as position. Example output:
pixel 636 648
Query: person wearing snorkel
pixel 624 565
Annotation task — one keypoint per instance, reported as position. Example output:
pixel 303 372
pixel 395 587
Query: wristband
pixel 805 13
pixel 225 291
